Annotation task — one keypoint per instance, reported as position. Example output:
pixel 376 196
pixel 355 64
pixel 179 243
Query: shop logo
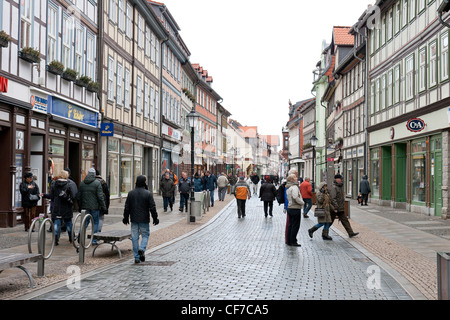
pixel 416 125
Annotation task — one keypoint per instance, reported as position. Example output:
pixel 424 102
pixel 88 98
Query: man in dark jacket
pixel 90 198
pixel 268 193
pixel 338 203
pixel 30 198
pixel 255 180
pixel 210 184
pixel 167 188
pixel 184 188
pixel 139 205
pixel 364 189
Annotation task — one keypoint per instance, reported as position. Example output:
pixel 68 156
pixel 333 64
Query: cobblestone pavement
pixel 243 259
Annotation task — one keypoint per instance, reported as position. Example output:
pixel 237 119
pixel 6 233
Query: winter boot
pixel 325 235
pixel 311 231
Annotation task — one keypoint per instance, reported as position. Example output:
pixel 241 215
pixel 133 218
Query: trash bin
pixel 443 275
pixel 347 208
pixel 196 212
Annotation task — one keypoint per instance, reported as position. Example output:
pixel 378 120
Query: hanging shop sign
pixel 73 112
pixel 107 130
pixel 416 125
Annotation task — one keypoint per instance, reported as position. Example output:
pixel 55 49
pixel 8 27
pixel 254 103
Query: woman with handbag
pixel 30 198
pixel 322 212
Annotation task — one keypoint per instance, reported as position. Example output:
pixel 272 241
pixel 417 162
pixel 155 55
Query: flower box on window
pixel 83 81
pixel 55 67
pixel 4 39
pixel 30 55
pixel 69 75
pixel 93 87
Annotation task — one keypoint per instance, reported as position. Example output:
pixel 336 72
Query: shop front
pixel 353 170
pixel 409 170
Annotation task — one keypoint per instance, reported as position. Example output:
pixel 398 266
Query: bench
pixel 111 237
pixel 17 260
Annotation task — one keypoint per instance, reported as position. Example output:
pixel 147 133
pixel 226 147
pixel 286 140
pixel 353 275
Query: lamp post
pixel 193 121
pixel 314 144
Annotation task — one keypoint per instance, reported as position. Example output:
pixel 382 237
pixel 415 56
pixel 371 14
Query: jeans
pixel 222 193
pixel 212 197
pixel 167 202
pixel 268 205
pixel 241 207
pixel 184 200
pixel 325 225
pixel 96 217
pixel 308 205
pixel 139 229
pixel 57 224
pixel 293 225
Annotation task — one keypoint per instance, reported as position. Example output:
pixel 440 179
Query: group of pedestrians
pixel 92 195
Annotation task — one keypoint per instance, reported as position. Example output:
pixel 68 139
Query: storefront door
pixel 436 176
pixel 387 173
pixel 400 172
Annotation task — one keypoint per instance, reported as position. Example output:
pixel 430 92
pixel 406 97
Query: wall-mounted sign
pixel 39 103
pixel 416 125
pixel 392 131
pixel 73 112
pixel 3 84
pixel 107 130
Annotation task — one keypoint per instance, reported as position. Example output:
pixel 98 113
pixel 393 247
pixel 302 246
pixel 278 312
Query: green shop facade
pixel 409 160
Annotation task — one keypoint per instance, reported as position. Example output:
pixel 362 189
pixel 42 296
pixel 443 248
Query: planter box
pixel 80 83
pixel 29 57
pixel 68 77
pixel 92 89
pixel 54 70
pixel 4 43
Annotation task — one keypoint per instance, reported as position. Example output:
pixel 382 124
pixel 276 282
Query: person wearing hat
pixel 90 198
pixel 242 192
pixel 338 204
pixel 139 205
pixel 30 198
pixel 323 201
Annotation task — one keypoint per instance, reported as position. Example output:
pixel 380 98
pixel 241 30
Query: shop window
pixel 375 173
pixel 418 171
pixel 87 159
pixel 113 166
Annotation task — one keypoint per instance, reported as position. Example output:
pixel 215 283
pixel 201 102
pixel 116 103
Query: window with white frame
pixel 409 75
pixel 79 41
pixel 422 69
pixel 412 11
pixel 152 104
pixel 390 88
pixel 110 87
pixel 26 23
pixel 139 95
pixel 405 13
pixel 129 23
pixel 433 64
pixel 157 48
pixel 156 106
pixel 147 41
pixel 119 84
pixel 146 99
pixel 421 5
pixel 121 15
pixel 390 24
pixel 444 56
pixel 52 27
pixel 140 34
pixel 383 93
pixel 113 11
pixel 66 42
pixel 397 18
pixel 397 84
pixel 90 56
pixel 378 95
pixel 127 89
pixel 153 47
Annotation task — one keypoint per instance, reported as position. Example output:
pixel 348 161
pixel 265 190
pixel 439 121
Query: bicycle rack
pixel 41 243
pixel 82 247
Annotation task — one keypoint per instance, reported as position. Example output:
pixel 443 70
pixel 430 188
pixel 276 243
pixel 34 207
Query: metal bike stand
pixel 81 248
pixel 41 243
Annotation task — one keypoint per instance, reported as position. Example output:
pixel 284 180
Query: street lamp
pixel 193 121
pixel 314 144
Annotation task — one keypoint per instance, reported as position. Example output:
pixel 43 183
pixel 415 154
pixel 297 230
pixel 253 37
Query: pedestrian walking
pixel 210 184
pixel 139 205
pixel 167 188
pixel 268 193
pixel 255 181
pixel 90 198
pixel 222 184
pixel 242 192
pixel 232 179
pixel 364 190
pixel 198 183
pixel 175 182
pixel 184 188
pixel 29 191
pixel 294 210
pixel 62 198
pixel 106 196
pixel 338 204
pixel 307 194
pixel 323 202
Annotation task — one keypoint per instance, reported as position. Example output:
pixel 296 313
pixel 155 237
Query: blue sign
pixel 73 112
pixel 107 130
pixel 416 125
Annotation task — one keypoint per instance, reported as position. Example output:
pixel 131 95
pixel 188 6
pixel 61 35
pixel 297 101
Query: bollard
pixel 443 275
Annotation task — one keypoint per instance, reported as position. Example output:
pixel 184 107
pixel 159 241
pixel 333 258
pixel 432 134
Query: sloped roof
pixel 342 36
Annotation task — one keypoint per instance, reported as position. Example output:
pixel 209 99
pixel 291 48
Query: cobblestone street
pixel 243 259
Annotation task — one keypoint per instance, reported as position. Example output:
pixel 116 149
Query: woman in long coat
pixel 323 201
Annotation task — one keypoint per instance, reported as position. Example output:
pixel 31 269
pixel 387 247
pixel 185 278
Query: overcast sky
pixel 261 53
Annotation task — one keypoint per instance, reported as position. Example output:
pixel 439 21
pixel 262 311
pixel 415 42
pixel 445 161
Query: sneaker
pixel 141 255
pixel 136 261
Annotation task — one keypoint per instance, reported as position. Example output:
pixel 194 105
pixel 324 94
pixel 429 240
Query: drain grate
pixel 156 263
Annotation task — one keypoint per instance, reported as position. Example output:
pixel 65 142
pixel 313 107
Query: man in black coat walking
pixel 139 205
pixel 364 189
